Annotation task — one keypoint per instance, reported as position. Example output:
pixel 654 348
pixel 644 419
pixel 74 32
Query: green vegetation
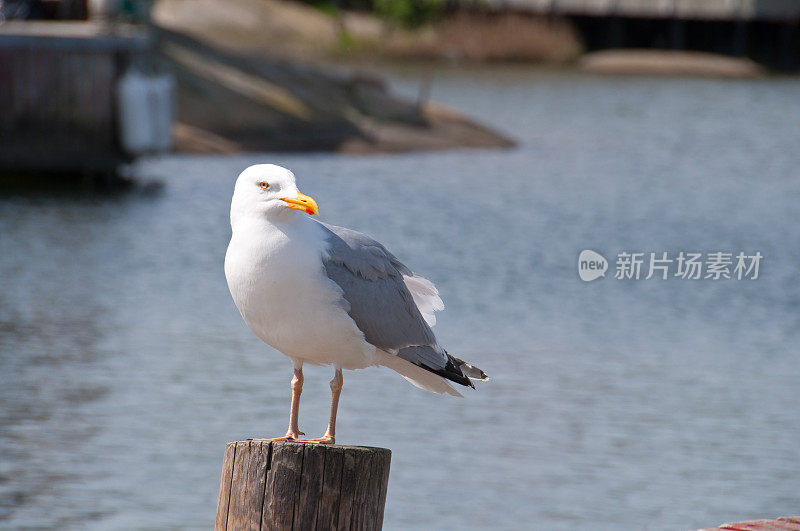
pixel 346 42
pixel 408 13
pixel 326 6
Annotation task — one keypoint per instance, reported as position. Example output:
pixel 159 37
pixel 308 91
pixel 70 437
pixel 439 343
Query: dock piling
pixel 296 486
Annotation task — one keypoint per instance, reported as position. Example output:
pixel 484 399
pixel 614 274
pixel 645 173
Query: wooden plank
pixel 311 482
pixel 283 486
pixel 369 496
pixel 247 485
pixel 347 492
pixel 328 503
pixel 361 514
pixel 221 523
pixel 382 486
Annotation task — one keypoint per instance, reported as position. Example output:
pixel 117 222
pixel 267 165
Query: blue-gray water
pixel 659 404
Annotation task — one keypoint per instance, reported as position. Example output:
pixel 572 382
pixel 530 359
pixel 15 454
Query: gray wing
pixel 371 279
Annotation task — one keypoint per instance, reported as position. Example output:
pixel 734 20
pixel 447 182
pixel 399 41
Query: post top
pixel 323 447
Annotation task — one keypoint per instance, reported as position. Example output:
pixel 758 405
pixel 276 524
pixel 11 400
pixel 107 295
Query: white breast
pixel 278 282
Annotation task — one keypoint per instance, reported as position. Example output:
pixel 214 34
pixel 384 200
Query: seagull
pixel 327 295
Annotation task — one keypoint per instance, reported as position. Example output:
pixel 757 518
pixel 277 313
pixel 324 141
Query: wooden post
pixel 296 486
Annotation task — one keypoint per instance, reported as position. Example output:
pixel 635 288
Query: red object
pixel 786 523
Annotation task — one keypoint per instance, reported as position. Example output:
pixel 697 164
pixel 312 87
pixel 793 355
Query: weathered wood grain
pixel 293 486
pixel 247 485
pixel 328 512
pixel 347 491
pixel 361 515
pixel 384 488
pixel 225 486
pixel 313 475
pixel 283 486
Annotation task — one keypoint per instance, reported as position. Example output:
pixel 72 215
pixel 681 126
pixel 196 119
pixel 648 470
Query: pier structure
pixel 766 31
pixel 58 95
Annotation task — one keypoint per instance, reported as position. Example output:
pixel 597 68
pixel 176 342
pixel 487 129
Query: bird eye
pixel 263 185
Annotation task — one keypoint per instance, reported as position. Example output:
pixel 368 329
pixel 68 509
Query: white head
pixel 269 191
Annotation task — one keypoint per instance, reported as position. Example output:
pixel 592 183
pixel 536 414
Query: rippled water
pixel 660 404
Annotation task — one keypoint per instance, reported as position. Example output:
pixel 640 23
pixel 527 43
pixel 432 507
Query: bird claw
pixel 327 439
pixel 289 437
pixel 293 434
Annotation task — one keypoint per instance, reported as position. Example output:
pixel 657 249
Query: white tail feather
pixel 425 296
pixel 416 375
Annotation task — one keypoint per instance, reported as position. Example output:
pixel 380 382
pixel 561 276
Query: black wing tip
pixel 453 375
pixel 460 372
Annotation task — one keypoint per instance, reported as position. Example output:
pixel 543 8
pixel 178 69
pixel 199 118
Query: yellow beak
pixel 304 203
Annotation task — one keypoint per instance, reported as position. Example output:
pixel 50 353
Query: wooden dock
pixel 57 88
pixel 765 31
pixel 777 10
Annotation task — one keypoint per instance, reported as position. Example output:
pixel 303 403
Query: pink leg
pixel 297 388
pixel 336 390
pixel 293 433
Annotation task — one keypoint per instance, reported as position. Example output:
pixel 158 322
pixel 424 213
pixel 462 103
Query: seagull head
pixel 267 190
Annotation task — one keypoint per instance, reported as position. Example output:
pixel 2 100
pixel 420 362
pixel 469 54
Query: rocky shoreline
pixel 262 75
pixel 236 94
pixel 229 103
